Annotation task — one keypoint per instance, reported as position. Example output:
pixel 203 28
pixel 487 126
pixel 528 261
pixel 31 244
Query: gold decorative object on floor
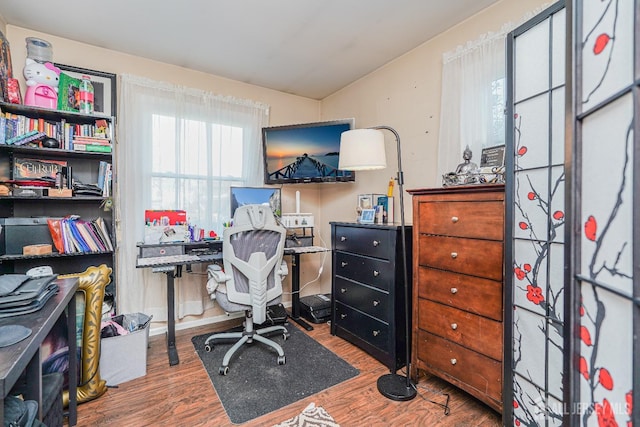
pixel 93 282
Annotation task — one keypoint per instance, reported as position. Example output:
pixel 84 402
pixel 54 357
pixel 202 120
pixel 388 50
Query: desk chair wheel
pixel 208 348
pixel 281 360
pixel 285 335
pixel 224 370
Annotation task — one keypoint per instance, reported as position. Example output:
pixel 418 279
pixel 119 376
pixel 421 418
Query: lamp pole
pixel 394 386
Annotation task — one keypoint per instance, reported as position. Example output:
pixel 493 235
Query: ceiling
pixel 310 48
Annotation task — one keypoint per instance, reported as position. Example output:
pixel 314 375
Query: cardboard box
pixel 124 357
pixel 60 192
pixel 40 249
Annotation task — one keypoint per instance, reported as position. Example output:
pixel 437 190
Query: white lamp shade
pixel 362 149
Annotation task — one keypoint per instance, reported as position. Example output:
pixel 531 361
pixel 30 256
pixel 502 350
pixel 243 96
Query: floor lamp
pixel 363 149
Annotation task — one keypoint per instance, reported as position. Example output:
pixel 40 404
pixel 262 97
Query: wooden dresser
pixel 367 295
pixel 458 287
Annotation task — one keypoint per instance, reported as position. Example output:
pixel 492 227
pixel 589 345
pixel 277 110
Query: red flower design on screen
pixel 519 273
pixel 585 336
pixel 605 379
pixel 606 417
pixel 534 294
pixel 584 369
pixel 590 228
pixel 601 43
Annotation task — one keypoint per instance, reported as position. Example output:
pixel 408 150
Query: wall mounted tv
pixel 303 153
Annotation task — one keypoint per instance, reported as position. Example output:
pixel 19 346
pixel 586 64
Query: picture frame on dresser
pixel 104 87
pixel 367 216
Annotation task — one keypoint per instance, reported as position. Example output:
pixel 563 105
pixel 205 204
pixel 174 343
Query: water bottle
pixel 86 95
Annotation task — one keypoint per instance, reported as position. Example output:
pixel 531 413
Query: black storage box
pixel 15 233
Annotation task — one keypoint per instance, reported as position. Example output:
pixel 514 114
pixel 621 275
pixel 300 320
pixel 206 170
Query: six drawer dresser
pixel 458 288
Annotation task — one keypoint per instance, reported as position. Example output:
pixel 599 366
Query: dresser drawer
pixel 369 300
pixel 465 367
pixel 365 327
pixel 469 330
pixel 364 241
pixel 473 294
pixel 372 271
pixel 483 220
pixel 481 258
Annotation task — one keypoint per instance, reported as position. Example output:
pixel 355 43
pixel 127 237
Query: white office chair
pixel 252 278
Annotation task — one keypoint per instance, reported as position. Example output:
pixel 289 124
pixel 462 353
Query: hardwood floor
pixel 182 395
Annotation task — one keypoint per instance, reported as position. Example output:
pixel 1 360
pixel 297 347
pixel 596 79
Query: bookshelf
pixel 25 205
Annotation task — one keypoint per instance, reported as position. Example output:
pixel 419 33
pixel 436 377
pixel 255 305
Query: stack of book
pixel 95 144
pixel 79 236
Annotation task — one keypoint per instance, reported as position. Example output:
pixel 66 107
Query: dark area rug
pixel 257 385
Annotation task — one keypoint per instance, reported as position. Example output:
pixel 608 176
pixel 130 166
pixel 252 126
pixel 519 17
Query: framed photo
pixel 104 87
pixel 492 157
pixel 368 216
pixel 365 201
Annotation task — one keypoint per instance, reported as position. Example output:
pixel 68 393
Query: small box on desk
pixel 124 357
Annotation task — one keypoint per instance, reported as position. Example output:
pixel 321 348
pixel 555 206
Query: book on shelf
pixel 92 140
pixel 75 235
pixel 94 148
pixel 26 138
pixel 24 168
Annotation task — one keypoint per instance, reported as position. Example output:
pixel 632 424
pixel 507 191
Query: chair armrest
pixel 284 269
pixel 216 278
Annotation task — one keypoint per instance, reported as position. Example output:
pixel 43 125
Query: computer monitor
pixel 270 196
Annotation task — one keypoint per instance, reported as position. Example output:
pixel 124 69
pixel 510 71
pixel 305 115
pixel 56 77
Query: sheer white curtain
pixel 472 106
pixel 178 148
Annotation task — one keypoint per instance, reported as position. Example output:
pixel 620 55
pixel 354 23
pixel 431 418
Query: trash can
pixel 124 357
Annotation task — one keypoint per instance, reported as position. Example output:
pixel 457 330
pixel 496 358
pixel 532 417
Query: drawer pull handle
pixel 376 273
pixel 376 333
pixel 454 326
pixel 375 303
pixel 344 263
pixel 343 316
pixel 376 243
pixel 454 255
pixel 343 290
pixel 454 290
pixel 343 238
pixel 454 361
pixel 454 219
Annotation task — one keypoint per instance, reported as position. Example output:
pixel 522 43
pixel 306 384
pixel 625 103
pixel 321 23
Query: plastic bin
pixel 124 357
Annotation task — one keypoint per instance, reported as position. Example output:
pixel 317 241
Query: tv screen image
pixel 241 196
pixel 307 152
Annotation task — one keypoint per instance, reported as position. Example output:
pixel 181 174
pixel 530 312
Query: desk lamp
pixel 363 149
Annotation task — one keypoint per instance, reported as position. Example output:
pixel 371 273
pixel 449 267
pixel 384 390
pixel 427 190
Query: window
pixel 194 163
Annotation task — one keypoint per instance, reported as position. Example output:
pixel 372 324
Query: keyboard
pixel 167 260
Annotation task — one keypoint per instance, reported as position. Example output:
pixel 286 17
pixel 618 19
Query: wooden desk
pixel 25 355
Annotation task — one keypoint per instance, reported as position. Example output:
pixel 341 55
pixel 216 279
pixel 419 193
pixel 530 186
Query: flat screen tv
pixel 241 196
pixel 302 153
